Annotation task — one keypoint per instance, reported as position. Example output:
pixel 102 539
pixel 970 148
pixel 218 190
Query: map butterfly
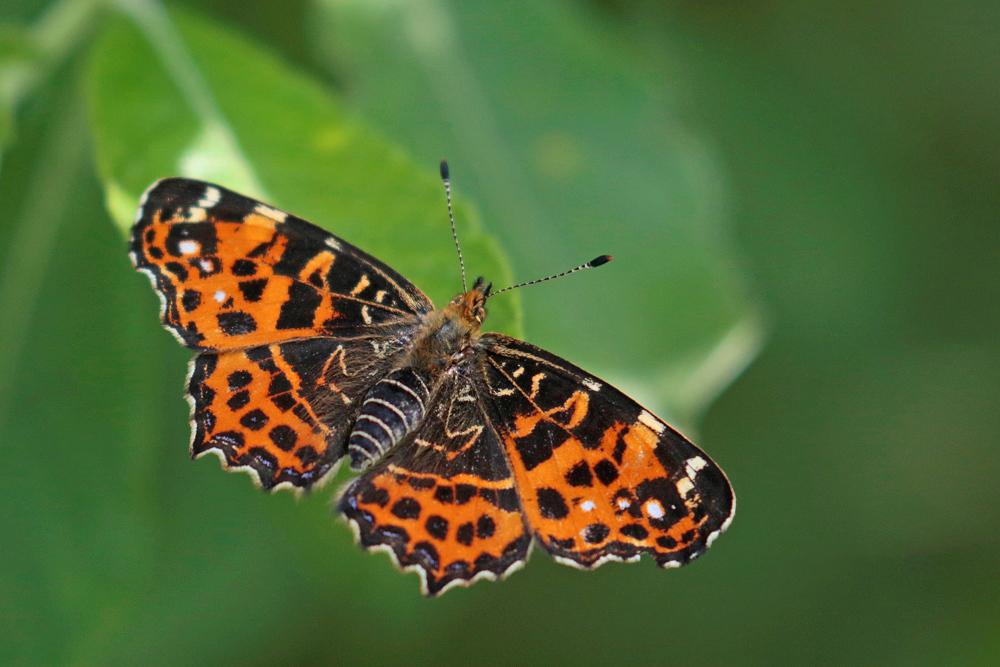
pixel 472 446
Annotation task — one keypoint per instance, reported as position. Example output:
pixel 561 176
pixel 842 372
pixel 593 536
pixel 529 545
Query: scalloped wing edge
pixel 484 575
pixel 667 564
pixel 299 491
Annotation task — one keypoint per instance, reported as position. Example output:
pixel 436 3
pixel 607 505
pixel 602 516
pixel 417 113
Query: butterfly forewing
pixel 599 476
pixel 233 272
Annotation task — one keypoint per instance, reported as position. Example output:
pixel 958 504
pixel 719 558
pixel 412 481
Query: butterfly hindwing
pixel 600 477
pixel 283 411
pixel 444 501
pixel 233 272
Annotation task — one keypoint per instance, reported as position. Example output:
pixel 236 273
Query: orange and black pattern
pixel 233 272
pixel 281 412
pixel 444 500
pixel 602 478
pixel 473 445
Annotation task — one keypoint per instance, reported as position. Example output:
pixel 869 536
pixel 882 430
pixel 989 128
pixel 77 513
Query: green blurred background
pixel 802 198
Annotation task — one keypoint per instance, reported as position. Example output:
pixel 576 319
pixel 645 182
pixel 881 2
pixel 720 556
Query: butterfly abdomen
pixel 393 408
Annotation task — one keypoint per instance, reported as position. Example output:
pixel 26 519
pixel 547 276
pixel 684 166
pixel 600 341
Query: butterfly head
pixel 471 305
pixel 448 336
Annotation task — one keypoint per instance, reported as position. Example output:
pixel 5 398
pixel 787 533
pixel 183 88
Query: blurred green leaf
pixel 78 512
pixel 198 101
pixel 31 53
pixel 572 154
pixel 18 66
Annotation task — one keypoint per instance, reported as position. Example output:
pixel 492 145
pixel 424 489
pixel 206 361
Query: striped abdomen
pixel 394 406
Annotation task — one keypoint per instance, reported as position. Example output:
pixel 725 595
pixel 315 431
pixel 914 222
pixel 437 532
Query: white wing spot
pixel 518 372
pixel 535 382
pixel 362 284
pixel 332 243
pixel 188 247
pixel 694 464
pixel 652 422
pixel 683 486
pixel 591 385
pixel 379 296
pixel 587 505
pixel 220 296
pixel 268 212
pixel 195 214
pixel 365 316
pixel 623 503
pixel 654 509
pixel 210 198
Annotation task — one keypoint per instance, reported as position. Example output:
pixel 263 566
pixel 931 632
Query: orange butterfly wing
pixel 233 272
pixel 294 325
pixel 600 478
pixel 443 502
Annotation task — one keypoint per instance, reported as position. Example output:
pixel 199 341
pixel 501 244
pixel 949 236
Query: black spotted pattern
pixel 239 379
pixel 299 310
pixel 190 300
pixel 254 420
pixel 606 472
pixel 283 437
pixel 580 475
pixel 253 290
pixel 437 526
pixel 236 323
pixel 406 508
pixel 596 533
pixel 465 533
pixel 551 504
pixel 485 527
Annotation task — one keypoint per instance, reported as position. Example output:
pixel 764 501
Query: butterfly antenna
pixel 451 216
pixel 594 263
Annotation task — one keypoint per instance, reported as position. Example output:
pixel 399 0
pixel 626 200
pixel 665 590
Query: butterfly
pixel 471 446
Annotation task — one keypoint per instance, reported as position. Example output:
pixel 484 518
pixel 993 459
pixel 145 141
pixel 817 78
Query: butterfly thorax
pixel 448 336
pixel 395 405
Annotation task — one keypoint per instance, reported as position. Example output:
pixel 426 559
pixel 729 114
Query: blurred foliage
pixel 843 156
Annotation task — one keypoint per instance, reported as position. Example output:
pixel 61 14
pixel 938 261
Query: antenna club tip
pixel 444 170
pixel 598 261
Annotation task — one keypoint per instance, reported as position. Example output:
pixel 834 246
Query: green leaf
pixel 573 153
pixel 30 54
pixel 194 100
pixel 78 398
pixel 19 67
